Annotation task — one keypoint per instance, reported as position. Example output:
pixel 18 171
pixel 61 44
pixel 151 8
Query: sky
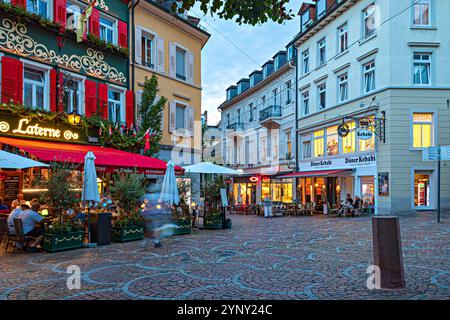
pixel 234 51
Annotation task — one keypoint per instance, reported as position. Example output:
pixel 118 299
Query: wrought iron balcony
pixel 270 117
pixel 237 126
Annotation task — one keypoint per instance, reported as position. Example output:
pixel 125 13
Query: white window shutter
pixel 190 120
pixel 138 45
pixel 159 54
pixel 172 116
pixel 172 60
pixel 190 71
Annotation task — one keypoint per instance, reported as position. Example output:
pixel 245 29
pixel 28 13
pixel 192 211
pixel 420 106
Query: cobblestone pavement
pixel 281 258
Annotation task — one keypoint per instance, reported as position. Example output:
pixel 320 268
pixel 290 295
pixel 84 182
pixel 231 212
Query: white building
pixel 384 60
pixel 258 130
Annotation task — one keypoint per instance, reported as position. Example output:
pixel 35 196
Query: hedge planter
pixel 182 229
pixel 213 225
pixel 63 241
pixel 120 234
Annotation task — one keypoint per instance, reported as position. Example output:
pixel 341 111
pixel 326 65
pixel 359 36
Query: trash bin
pixel 101 228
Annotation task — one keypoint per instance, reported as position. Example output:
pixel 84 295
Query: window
pixel 107 30
pixel 213 153
pixel 239 115
pixel 228 120
pixel 288 144
pixel 34 88
pixel 305 103
pixel 252 115
pixel 39 7
pixel 369 76
pixel 288 92
pixel 343 88
pixel 306 147
pixel 422 13
pixel 369 27
pixel 343 38
pixel 305 61
pixel 275 94
pixel 181 63
pixel 422 68
pixel 263 101
pixel 321 8
pixel 423 130
pixel 306 18
pixel 322 92
pixel 115 106
pixel 290 53
pixel 148 47
pixel 72 95
pixel 332 141
pixel 180 115
pixel 349 142
pixel 73 12
pixel 321 52
pixel 319 143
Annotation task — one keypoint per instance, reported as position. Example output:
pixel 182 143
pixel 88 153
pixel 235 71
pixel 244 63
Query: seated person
pixel 357 202
pixel 29 219
pixel 349 200
pixel 77 214
pixel 15 215
pixel 2 205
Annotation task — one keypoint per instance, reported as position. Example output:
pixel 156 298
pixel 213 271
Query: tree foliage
pixel 250 12
pixel 126 191
pixel 151 110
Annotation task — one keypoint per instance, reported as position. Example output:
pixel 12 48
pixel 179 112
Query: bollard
pixel 387 251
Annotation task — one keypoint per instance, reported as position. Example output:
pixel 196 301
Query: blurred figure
pixel 267 208
pixel 17 202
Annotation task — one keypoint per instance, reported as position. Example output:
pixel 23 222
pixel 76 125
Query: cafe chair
pixel 332 210
pixel 20 237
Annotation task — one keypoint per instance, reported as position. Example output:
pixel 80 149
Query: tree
pixel 151 110
pixel 250 12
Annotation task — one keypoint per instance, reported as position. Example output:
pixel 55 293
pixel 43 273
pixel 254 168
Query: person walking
pixel 267 208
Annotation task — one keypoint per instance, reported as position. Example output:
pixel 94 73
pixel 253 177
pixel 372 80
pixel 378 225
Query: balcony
pixel 270 117
pixel 236 127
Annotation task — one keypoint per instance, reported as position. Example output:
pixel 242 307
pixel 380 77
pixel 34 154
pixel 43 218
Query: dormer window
pixel 305 20
pixel 321 8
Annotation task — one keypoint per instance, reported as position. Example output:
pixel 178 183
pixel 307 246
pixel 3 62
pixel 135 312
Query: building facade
pixel 258 130
pixel 170 46
pixel 373 90
pixel 212 146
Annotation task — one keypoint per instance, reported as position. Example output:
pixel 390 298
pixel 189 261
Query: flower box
pixel 63 241
pixel 123 234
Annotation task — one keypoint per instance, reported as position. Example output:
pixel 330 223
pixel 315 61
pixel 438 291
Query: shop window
pixel 349 142
pixel 39 7
pixel 423 130
pixel 116 110
pixel 319 143
pixel 107 30
pixel 332 141
pixel 422 188
pixel 34 88
pixel 281 190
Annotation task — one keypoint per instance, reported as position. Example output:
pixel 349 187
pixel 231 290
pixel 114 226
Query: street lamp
pixel 74 118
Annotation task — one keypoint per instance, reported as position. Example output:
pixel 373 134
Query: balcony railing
pixel 237 126
pixel 270 112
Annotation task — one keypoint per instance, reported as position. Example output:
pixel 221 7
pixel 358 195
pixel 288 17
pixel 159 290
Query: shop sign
pixel 364 134
pixel 254 179
pixel 339 163
pixel 430 154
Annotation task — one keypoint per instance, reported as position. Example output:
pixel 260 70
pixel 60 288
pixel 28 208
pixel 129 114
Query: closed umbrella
pixel 169 190
pixel 90 195
pixel 13 161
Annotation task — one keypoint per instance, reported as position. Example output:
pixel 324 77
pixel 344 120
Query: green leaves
pixel 126 191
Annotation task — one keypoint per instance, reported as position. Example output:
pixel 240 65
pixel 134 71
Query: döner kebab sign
pixel 339 163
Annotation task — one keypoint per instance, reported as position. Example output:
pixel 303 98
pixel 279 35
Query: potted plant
pixel 63 236
pixel 126 191
pixel 213 219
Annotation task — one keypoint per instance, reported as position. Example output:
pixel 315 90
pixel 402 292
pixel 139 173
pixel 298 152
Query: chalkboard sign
pixel 11 188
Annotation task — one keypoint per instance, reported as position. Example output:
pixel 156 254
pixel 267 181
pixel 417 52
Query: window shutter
pixel 103 100
pixel 129 105
pixel 190 117
pixel 60 12
pixel 161 114
pixel 19 3
pixel 138 45
pixel 53 90
pixel 123 34
pixel 190 71
pixel 172 116
pixel 282 142
pixel 12 80
pixel 172 60
pixel 90 94
pixel 159 54
pixel 94 23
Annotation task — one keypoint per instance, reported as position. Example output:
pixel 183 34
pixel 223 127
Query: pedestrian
pixel 267 208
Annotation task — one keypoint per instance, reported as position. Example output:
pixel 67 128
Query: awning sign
pixel 339 163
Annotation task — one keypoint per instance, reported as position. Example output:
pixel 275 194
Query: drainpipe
pixel 296 112
pixel 134 4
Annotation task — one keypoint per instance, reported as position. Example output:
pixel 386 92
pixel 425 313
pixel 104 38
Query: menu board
pixel 11 188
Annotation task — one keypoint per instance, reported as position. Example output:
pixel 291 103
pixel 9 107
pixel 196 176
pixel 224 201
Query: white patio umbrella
pixel 90 195
pixel 13 161
pixel 169 190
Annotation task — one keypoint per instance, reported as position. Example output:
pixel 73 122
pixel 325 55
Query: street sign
pixel 430 154
pixel 445 152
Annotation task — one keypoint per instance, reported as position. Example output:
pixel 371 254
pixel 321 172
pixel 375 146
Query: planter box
pixel 60 242
pixel 183 229
pixel 213 225
pixel 127 233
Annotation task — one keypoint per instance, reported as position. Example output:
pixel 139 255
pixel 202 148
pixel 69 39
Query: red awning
pixel 107 159
pixel 321 173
